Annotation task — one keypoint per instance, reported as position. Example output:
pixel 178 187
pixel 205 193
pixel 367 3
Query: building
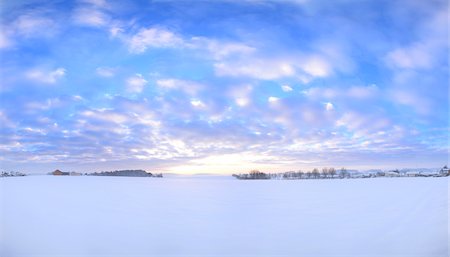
pixel 445 171
pixel 412 173
pixel 60 173
pixel 392 173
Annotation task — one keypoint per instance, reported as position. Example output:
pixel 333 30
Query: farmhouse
pixel 60 173
pixel 412 173
pixel 445 171
pixel 392 173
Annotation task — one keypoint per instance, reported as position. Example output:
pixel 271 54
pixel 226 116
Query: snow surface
pixel 175 216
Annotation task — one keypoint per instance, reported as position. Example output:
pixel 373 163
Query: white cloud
pixel 136 83
pixel 419 103
pixel 6 121
pixel 115 30
pixel 363 123
pixel 286 88
pixel 430 47
pixel 303 68
pixel 242 101
pixel 220 50
pixel 335 55
pixel 329 106
pixel 105 115
pixel 168 83
pixel 197 103
pixel 354 92
pixel 106 71
pixel 5 40
pixel 273 99
pixel 77 98
pixel 153 37
pixel 411 57
pixel 264 69
pixel 47 77
pixel 33 106
pixel 91 17
pixel 241 94
pixel 189 87
pixel 34 25
pixel 316 67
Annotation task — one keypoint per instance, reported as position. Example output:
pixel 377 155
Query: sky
pixel 223 86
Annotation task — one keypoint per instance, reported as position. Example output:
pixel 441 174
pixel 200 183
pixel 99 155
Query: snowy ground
pixel 179 216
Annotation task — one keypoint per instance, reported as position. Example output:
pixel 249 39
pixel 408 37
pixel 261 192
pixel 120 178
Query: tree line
pixel 315 173
pixel 332 173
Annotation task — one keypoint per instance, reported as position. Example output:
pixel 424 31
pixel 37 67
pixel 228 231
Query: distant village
pixel 332 173
pixel 12 174
pixel 119 173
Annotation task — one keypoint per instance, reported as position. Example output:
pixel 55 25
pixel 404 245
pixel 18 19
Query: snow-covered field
pixel 213 216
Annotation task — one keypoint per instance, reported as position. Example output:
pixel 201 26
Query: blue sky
pixel 223 86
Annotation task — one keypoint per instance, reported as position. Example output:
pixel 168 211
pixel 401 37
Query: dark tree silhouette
pixel 315 173
pixel 332 172
pixel 325 172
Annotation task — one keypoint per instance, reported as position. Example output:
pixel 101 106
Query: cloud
pixel 92 13
pixel 264 69
pixel 241 94
pixel 427 51
pixel 273 99
pixel 411 57
pixel 197 103
pixel 220 50
pixel 106 72
pixel 316 66
pixel 419 102
pixel 34 24
pixel 159 37
pixel 97 3
pixel 153 37
pixel 329 106
pixel 105 115
pixel 363 123
pixel 6 121
pixel 303 68
pixel 5 40
pixel 346 94
pixel 286 88
pixel 36 106
pixel 91 17
pixel 136 83
pixel 189 87
pixel 45 76
pixel 116 30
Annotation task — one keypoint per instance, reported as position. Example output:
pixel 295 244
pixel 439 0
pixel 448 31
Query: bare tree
pixel 256 174
pixel 315 173
pixel 308 174
pixel 325 172
pixel 332 172
pixel 344 173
